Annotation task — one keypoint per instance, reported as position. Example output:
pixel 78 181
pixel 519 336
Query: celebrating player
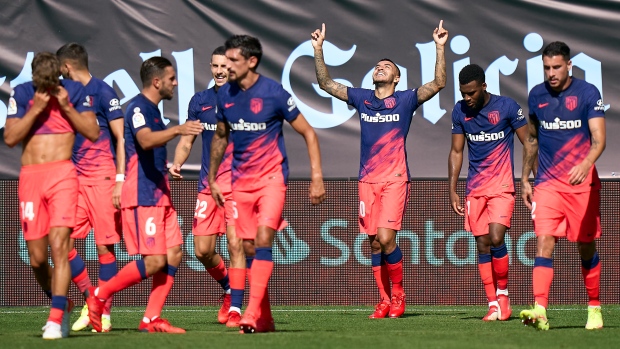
pixel 210 220
pixel 385 117
pixel 44 115
pixel 567 130
pixel 489 123
pixel 150 225
pixel 252 109
pixel 100 177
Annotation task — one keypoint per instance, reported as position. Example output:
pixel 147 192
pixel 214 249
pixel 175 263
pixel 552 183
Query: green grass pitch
pixel 324 327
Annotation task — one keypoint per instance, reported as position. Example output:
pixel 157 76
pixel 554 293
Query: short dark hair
pixel 395 65
pixel 249 45
pixel 45 71
pixel 557 48
pixel 153 67
pixel 74 52
pixel 219 51
pixel 471 72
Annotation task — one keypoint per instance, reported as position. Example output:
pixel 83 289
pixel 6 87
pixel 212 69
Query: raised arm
pixel 428 90
pixel 598 142
pixel 181 153
pixel 218 147
pixel 317 190
pixel 326 83
pixel 455 162
pixel 530 153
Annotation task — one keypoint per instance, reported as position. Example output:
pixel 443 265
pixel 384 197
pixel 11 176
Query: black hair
pixel 250 46
pixel 557 48
pixel 471 72
pixel 219 51
pixel 75 52
pixel 395 65
pixel 153 67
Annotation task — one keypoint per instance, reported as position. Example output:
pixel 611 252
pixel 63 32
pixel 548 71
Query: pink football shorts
pixel 255 208
pixel 48 196
pixel 151 230
pixel 576 216
pixel 209 219
pixel 382 205
pixel 95 210
pixel 480 211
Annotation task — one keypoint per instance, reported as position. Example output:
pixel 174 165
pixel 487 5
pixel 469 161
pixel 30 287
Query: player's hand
pixel 191 128
pixel 317 37
pixel 40 100
pixel 216 192
pixel 440 35
pixel 175 171
pixel 526 194
pixel 62 96
pixel 116 195
pixel 317 191
pixel 455 202
pixel 579 173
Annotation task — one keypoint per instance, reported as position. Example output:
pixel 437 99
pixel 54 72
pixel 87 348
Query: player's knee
pixel 174 255
pixel 203 253
pixel 248 248
pixel 155 263
pixel 38 260
pixel 104 249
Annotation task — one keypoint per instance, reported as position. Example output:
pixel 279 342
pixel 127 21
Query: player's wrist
pixel 120 177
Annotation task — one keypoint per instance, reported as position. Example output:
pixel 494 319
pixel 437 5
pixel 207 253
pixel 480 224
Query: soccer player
pixel 44 115
pixel 385 117
pixel 252 108
pixel 150 225
pixel 489 123
pixel 567 130
pixel 100 176
pixel 210 220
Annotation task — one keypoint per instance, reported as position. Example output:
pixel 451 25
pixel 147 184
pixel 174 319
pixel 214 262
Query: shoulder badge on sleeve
pixel 12 110
pixel 137 118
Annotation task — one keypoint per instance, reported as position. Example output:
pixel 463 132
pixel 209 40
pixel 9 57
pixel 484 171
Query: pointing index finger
pixel 323 29
pixel 441 24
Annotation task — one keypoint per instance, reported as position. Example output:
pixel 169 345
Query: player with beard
pixel 150 225
pixel 101 172
pixel 385 118
pixel 210 221
pixel 251 109
pixel 567 131
pixel 489 123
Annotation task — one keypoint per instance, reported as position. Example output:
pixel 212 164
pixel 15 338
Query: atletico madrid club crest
pixel 493 117
pixel 389 102
pixel 571 102
pixel 256 105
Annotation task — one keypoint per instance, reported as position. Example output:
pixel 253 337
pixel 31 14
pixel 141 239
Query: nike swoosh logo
pixel 389 221
pixel 542 105
pixel 367 102
pixel 206 108
pixel 228 105
pixel 467 119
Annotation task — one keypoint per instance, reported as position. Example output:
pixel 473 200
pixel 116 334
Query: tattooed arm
pixel 428 90
pixel 322 75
